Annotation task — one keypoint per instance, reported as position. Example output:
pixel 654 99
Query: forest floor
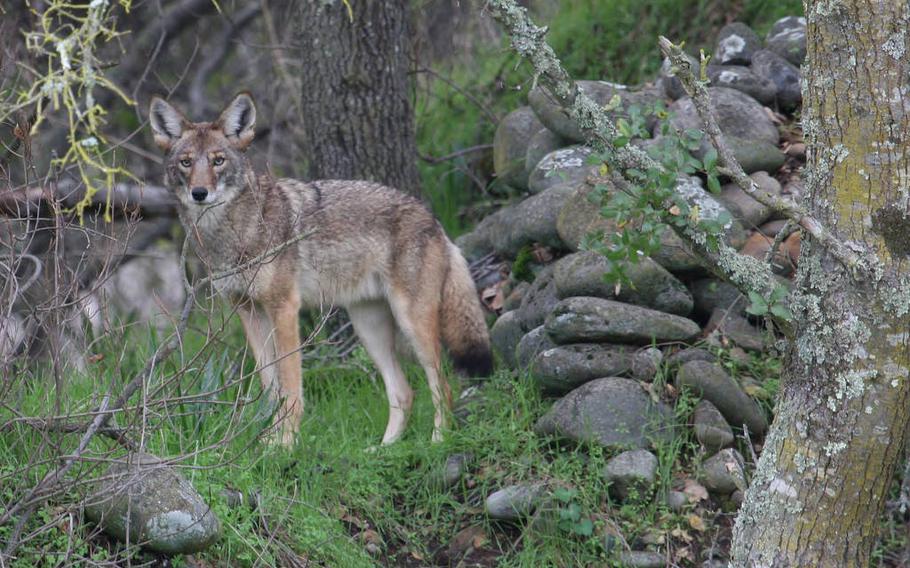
pixel 331 501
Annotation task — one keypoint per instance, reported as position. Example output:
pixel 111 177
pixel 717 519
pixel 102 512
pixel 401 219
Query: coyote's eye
pixel 186 162
pixel 218 160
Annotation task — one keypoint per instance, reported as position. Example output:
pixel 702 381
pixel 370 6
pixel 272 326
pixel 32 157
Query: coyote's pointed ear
pixel 167 123
pixel 237 121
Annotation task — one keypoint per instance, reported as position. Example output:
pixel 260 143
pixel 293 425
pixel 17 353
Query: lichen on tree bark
pixel 842 416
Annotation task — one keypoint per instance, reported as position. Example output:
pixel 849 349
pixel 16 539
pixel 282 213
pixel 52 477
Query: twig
pixel 730 166
pixel 785 231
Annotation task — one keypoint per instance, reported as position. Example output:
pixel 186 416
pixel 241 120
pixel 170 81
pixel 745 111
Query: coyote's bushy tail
pixel 464 331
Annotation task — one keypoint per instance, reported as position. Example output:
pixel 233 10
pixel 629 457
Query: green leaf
pixel 713 184
pixel 584 527
pixel 781 312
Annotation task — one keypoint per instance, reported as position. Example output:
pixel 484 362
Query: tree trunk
pixel 357 116
pixel 821 482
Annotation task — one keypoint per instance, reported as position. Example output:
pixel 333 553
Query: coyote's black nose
pixel 199 193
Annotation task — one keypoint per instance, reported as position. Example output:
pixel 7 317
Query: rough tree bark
pixel 842 416
pixel 357 117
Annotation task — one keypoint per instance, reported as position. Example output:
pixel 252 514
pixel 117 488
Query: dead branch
pixel 123 199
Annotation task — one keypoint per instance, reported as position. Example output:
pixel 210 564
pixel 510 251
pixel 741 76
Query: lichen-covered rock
pixel 539 300
pixel 736 42
pixel 541 144
pixel 690 188
pixel 580 216
pixel 613 412
pixel 493 228
pixel 724 472
pixel 711 382
pixel 510 146
pixel 144 501
pixel 650 284
pixel 631 474
pixel 533 343
pixel 787 38
pixel 565 166
pixel 563 368
pixel 587 319
pixel 505 335
pixel 554 117
pixel 514 502
pixel 783 74
pixel 743 206
pixel 743 79
pixel 710 427
pixel 533 220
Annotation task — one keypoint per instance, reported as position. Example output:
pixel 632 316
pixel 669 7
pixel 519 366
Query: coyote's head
pixel 205 161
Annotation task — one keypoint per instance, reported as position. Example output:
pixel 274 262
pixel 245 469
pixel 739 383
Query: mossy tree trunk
pixel 357 118
pixel 844 407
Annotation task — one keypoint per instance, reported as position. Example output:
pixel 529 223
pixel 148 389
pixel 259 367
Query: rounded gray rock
pixel 580 216
pixel 631 474
pixel 538 301
pixel 646 362
pixel 787 38
pixel 533 343
pixel 565 367
pixel 710 427
pixel 144 501
pixel 651 285
pixel 736 42
pixel 724 472
pixel 783 74
pixel 642 559
pixel 737 329
pixel 683 356
pixel 738 115
pixel 743 206
pixel 514 502
pixel 554 117
pixel 533 220
pixel 510 146
pixel 505 335
pixel 565 166
pixel 588 319
pixel 710 294
pixel 711 382
pixel 743 79
pixel 541 144
pixel 613 412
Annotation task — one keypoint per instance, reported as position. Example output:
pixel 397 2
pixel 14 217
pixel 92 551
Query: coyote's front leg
pixel 273 333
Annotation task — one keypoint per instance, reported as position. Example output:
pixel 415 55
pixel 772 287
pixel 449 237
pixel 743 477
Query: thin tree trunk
pixel 821 482
pixel 357 117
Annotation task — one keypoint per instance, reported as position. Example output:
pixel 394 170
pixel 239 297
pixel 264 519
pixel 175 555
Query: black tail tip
pixel 474 362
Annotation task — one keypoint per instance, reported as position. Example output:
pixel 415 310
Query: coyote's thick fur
pixel 373 250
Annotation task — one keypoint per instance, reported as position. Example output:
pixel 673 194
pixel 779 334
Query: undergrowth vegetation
pixel 336 500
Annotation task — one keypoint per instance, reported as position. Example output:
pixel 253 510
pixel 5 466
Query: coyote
pixel 373 250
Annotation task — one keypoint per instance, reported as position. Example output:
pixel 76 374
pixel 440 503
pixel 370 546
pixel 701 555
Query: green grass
pixel 321 498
